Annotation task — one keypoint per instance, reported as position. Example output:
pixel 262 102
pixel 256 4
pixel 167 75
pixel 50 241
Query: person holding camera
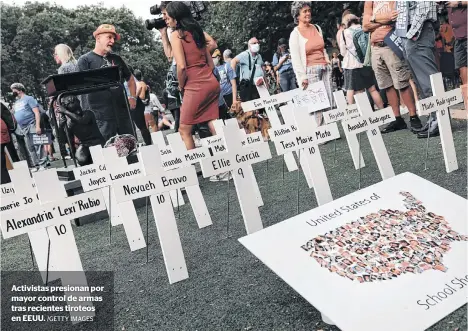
pixel 166 32
pixel 283 65
pixel 197 83
pixel 109 106
pixel 251 73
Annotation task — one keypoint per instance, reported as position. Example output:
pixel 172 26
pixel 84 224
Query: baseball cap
pixel 216 53
pixel 106 28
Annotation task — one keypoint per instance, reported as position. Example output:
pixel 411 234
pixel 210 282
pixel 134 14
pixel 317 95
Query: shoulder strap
pixel 253 71
pixel 319 30
pixel 250 60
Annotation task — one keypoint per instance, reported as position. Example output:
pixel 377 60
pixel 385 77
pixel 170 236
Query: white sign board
pixel 392 240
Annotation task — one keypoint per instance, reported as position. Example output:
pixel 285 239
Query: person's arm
pixel 211 44
pixel 179 56
pixel 296 57
pixel 82 63
pixel 343 49
pixel 232 77
pixel 367 25
pixel 132 88
pixel 166 44
pixel 419 17
pixel 209 59
pixel 234 62
pixel 37 115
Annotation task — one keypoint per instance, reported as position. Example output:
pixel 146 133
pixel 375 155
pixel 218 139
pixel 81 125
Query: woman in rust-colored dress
pixel 197 83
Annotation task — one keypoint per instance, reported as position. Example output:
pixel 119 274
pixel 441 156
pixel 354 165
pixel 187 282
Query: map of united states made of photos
pixel 387 244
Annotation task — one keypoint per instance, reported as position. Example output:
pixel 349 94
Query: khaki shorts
pixel 389 69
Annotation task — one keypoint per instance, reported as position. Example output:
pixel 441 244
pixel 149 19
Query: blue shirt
pixel 227 74
pixel 23 111
pixel 245 73
pixel 286 64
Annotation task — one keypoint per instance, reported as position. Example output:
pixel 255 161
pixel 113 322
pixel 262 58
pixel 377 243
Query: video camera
pixel 196 8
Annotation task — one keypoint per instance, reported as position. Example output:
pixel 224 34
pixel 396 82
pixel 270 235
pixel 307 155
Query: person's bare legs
pixel 414 89
pixel 392 97
pixel 464 87
pixel 350 97
pixel 376 97
pixel 150 122
pixel 185 131
pixel 211 127
pixel 408 99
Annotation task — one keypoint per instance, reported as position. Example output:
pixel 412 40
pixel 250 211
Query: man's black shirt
pixel 109 103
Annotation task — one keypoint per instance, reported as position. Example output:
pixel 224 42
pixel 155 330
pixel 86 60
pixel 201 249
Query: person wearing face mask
pixel 250 70
pixel 283 65
pixel 28 117
pixel 308 55
pixel 109 106
pixel 228 79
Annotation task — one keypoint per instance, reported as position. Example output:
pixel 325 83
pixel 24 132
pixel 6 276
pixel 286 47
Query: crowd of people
pixel 203 83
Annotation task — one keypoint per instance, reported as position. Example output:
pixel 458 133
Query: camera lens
pixel 155 23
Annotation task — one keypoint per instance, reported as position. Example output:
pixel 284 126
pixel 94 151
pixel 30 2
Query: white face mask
pixel 254 48
pixel 216 61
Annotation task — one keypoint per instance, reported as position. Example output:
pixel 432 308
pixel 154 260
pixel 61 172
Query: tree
pixel 31 32
pixel 233 23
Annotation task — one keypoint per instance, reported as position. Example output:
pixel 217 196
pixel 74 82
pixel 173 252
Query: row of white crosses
pixel 47 222
pixel 108 168
pixel 157 183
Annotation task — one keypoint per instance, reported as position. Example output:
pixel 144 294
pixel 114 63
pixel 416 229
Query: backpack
pixel 361 43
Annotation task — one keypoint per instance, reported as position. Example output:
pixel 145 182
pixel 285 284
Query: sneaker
pixel 415 123
pixel 398 124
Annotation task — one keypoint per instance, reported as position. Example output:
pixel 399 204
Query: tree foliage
pixel 30 33
pixel 233 23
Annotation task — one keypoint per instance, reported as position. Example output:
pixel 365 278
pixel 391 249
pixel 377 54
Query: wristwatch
pixel 132 97
pixel 372 19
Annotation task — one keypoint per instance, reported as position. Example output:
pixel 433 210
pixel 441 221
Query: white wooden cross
pixel 21 194
pixel 306 135
pixel 157 183
pixel 370 121
pixel 217 145
pixel 289 159
pixel 440 103
pixel 95 176
pixel 344 112
pixel 235 159
pixel 54 214
pixel 194 193
pixel 246 139
pixel 168 162
pixel 118 168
